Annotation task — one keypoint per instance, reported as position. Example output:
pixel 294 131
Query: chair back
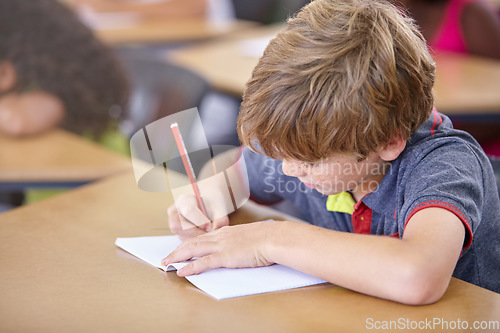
pixel 267 11
pixel 159 89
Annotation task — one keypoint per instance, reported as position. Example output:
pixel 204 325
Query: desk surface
pixel 168 31
pixel 62 272
pixel 463 84
pixel 56 156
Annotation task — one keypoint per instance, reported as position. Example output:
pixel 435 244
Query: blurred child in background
pixel 463 27
pixel 460 26
pixel 54 72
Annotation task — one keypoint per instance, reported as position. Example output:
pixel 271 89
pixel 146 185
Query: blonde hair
pixel 344 76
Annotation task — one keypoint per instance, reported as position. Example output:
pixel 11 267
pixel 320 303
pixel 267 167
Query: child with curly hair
pixel 54 72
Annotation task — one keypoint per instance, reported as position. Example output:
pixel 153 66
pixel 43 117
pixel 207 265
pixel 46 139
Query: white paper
pixel 221 282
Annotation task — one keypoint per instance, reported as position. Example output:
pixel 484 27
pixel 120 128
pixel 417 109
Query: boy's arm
pixel 412 270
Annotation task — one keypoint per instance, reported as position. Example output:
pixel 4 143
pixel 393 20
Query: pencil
pixel 187 165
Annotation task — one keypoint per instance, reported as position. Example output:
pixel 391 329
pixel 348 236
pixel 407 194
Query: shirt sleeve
pixel 448 177
pixel 263 175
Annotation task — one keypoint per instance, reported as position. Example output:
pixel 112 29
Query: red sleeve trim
pixel 448 207
pixel 437 121
pixel 439 116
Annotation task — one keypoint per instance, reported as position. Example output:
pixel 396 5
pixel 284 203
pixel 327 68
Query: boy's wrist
pixel 276 240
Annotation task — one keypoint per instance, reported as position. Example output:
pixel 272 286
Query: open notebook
pixel 221 282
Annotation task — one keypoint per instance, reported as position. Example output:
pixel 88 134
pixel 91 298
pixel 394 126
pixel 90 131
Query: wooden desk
pixel 56 157
pixel 142 25
pixel 169 31
pixel 222 62
pixel 61 272
pixel 464 84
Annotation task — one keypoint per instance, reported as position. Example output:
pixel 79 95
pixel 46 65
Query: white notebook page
pixel 221 282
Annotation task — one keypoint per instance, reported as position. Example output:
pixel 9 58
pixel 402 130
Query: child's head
pixel 345 76
pixel 51 51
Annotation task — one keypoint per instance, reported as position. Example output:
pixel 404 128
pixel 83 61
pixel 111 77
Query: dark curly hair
pixel 53 51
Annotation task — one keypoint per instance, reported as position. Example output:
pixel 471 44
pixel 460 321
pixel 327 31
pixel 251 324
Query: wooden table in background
pixel 61 272
pixel 144 27
pixel 56 157
pixel 169 31
pixel 464 84
pixel 467 85
pixel 223 62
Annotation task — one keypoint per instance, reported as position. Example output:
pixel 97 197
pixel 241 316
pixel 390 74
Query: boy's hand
pixel 186 219
pixel 232 247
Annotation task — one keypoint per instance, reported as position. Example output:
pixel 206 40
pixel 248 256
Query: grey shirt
pixel 440 167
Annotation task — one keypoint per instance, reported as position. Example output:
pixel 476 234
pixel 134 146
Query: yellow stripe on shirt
pixel 342 203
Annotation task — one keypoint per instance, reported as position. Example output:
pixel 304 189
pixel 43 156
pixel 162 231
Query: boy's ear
pixel 8 76
pixel 392 150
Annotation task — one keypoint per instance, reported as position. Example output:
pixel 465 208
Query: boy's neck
pixel 369 185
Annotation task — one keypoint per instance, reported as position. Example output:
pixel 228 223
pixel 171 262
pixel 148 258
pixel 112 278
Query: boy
pixel 341 102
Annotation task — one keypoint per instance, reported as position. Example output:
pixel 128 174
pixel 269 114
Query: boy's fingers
pixel 220 222
pixel 194 215
pixel 188 215
pixel 172 209
pixel 174 222
pixel 182 227
pixel 188 229
pixel 206 227
pixel 189 249
pixel 200 265
pixel 190 233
